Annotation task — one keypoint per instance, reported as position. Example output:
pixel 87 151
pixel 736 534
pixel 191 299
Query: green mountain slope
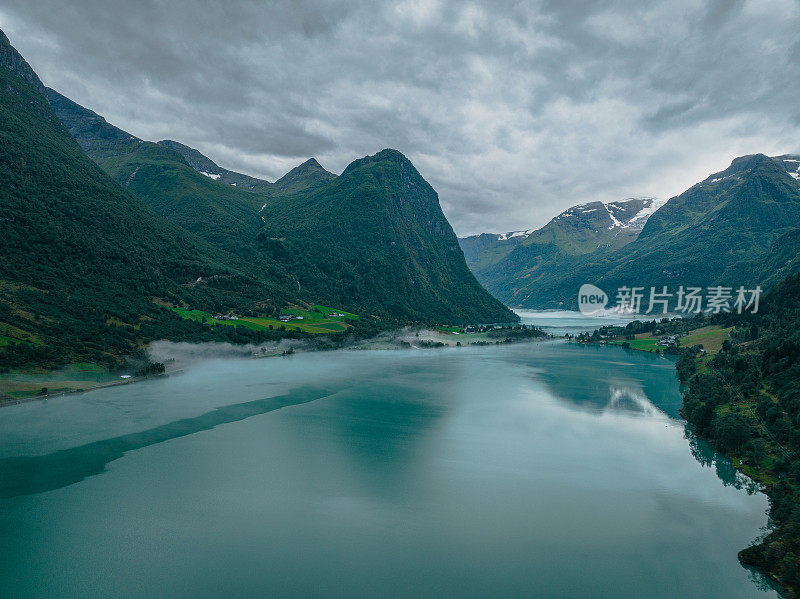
pixel 746 401
pixel 304 177
pixel 733 228
pixel 204 165
pixel 585 229
pixel 376 238
pixel 162 177
pixel 367 245
pixel 81 259
pixel 220 213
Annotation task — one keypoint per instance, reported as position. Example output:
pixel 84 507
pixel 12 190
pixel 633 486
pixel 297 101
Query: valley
pixel 737 227
pixel 102 231
pixel 438 416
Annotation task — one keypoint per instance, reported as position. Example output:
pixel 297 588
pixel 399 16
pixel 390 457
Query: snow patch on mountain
pixel 512 234
pixel 211 175
pixel 792 167
pixel 615 222
pixel 615 211
pixel 641 217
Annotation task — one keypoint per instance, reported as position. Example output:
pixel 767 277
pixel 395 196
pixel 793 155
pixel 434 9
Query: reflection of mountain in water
pixel 632 400
pixel 28 475
pixel 598 380
pixel 710 458
pixel 377 431
pixel 586 377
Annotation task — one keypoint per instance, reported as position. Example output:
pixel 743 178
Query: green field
pixel 644 344
pixel 80 376
pixel 450 329
pixel 710 338
pixel 326 312
pixel 11 334
pixel 316 320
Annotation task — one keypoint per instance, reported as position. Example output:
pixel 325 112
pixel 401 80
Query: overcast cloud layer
pixel 513 111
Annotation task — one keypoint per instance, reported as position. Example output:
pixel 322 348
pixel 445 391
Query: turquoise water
pixel 568 322
pixel 532 470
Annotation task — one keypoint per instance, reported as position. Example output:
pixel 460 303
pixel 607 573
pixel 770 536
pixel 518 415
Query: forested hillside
pixel 737 227
pixel 88 262
pixel 746 400
pixel 376 238
pixel 81 259
pixel 372 241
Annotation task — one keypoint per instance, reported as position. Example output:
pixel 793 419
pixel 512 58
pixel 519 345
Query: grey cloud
pixel 513 111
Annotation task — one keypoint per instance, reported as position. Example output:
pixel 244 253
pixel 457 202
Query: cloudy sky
pixel 513 111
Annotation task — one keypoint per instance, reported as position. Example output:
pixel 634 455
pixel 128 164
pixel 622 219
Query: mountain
pixel 12 61
pixel 790 162
pixel 81 258
pixel 580 230
pixel 737 227
pixel 204 165
pixel 171 178
pixel 376 237
pixel 373 240
pixel 163 178
pixel 96 136
pixel 307 176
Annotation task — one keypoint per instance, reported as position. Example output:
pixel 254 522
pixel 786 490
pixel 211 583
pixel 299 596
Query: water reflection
pixel 631 390
pixel 602 378
pixel 473 472
pixel 27 475
pixel 631 399
pixel 708 457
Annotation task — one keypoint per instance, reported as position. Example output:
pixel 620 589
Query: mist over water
pixel 569 322
pixel 543 469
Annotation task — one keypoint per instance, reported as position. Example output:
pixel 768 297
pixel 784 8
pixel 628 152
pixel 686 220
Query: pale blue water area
pixel 532 470
pixel 567 322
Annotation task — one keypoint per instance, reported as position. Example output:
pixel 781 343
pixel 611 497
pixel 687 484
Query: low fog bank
pixel 180 355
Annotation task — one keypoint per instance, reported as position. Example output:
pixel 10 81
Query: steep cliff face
pixel 373 240
pixel 81 258
pixel 12 61
pixel 376 237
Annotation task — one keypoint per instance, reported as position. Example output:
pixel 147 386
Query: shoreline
pixel 773 531
pixel 382 342
pixel 44 397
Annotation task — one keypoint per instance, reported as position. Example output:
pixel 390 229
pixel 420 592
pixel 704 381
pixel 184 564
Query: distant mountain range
pixel 308 175
pixel 88 254
pixel 582 229
pixel 737 227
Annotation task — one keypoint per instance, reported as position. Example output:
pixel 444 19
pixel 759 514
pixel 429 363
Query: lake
pixel 533 470
pixel 569 322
